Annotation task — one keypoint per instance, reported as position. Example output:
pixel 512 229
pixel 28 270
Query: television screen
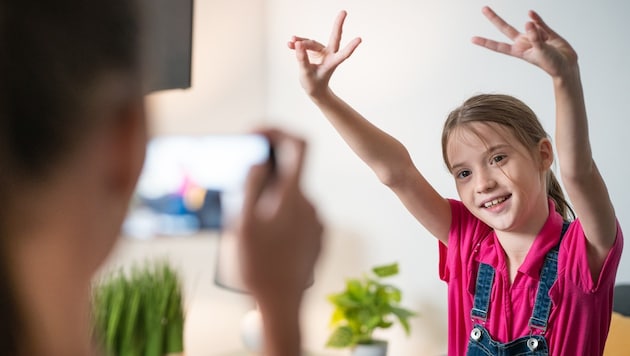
pixel 192 183
pixel 168 31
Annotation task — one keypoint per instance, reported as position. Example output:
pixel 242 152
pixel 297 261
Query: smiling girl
pixel 525 274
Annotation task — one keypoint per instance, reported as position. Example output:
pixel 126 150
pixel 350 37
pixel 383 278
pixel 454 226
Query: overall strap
pixel 483 288
pixel 548 276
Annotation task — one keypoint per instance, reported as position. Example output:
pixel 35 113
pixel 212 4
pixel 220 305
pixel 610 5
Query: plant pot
pixel 376 348
pixel 252 331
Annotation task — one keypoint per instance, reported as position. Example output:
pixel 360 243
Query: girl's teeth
pixel 494 202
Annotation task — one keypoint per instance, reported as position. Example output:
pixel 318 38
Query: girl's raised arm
pixel 385 155
pixel 543 47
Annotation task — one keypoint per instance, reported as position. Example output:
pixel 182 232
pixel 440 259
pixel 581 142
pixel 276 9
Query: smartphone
pixel 191 183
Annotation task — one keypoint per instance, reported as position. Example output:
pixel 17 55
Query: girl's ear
pixel 545 152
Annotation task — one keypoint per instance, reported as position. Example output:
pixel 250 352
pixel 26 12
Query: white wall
pixel 228 74
pixel 415 64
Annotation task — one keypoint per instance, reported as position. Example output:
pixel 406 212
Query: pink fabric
pixel 581 311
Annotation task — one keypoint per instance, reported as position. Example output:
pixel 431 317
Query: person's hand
pixel 539 44
pixel 279 232
pixel 318 62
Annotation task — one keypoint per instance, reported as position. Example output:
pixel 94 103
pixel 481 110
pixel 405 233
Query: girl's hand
pixel 318 62
pixel 538 45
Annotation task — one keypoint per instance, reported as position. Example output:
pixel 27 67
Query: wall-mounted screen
pixel 168 43
pixel 192 183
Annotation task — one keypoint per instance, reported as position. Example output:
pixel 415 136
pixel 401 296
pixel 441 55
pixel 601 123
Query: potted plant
pixel 140 312
pixel 367 304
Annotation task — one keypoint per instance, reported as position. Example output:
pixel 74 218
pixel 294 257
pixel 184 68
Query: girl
pixel 521 278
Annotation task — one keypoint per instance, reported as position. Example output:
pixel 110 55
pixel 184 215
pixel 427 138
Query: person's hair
pixel 54 58
pixel 513 114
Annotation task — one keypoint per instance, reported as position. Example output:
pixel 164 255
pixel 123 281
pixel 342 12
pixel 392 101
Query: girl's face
pixel 498 179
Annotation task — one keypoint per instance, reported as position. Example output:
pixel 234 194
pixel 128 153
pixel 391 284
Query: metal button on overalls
pixel 532 343
pixel 475 334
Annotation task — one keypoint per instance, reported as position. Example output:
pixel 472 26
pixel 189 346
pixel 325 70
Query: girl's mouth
pixel 496 201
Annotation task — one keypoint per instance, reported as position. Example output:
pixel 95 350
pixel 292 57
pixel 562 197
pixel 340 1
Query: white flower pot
pixel 377 348
pixel 252 331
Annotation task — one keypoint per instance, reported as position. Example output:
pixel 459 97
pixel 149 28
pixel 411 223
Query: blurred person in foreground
pixel 73 134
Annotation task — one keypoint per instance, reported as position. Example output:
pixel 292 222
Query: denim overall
pixel 482 344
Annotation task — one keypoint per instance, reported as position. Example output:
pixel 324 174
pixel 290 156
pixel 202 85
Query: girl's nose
pixel 484 182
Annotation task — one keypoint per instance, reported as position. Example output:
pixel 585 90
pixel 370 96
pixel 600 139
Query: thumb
pixel 301 55
pixel 257 178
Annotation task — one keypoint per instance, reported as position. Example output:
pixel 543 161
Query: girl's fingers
pixel 296 38
pixel 349 49
pixel 539 21
pixel 534 35
pixel 493 45
pixel 335 35
pixel 499 23
pixel 301 55
pixel 293 40
pixel 312 45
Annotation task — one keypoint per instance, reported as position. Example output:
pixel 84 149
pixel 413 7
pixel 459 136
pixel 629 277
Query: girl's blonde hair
pixel 513 114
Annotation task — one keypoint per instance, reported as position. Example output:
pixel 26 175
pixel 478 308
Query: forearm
pixel 572 138
pixel 281 325
pixel 582 180
pixel 384 154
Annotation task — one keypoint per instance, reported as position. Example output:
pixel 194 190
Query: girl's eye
pixel 497 159
pixel 463 174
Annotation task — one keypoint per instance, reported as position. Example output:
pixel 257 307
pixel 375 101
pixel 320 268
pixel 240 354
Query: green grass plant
pixel 139 313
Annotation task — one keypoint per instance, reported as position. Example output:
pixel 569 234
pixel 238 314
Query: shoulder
pixel 464 225
pixel 466 232
pixel 574 261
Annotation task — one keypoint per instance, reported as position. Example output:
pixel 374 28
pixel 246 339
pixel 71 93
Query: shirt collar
pixel 548 237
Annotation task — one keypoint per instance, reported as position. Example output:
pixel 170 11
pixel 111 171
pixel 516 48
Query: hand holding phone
pixel 276 230
pixel 279 240
pixel 279 230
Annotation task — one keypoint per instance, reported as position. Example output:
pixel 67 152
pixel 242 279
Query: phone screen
pixel 191 183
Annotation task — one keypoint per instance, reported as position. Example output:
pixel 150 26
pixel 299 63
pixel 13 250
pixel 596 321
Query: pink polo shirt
pixel 580 315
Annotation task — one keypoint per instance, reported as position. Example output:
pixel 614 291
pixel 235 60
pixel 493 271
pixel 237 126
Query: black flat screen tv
pixel 168 31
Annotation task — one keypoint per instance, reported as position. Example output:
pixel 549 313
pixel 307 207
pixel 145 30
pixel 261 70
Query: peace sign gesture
pixel 539 44
pixel 318 62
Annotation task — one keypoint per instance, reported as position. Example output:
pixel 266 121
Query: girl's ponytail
pixel 554 191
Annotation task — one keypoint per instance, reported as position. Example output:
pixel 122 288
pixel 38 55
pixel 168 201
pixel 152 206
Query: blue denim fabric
pixel 485 276
pixel 482 344
pixel 486 346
